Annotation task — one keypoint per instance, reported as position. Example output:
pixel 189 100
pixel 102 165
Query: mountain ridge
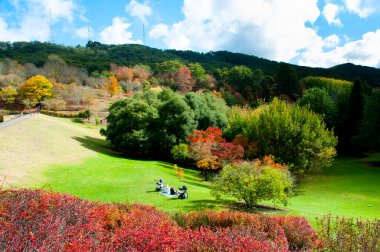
pixel 98 56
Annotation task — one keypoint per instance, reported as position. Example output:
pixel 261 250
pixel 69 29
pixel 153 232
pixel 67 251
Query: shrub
pixel 85 114
pixel 349 234
pixel 180 152
pixel 252 182
pixel 294 232
pixel 36 220
pixel 179 172
pixel 63 114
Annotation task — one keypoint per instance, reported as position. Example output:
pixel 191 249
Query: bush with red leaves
pixel 36 220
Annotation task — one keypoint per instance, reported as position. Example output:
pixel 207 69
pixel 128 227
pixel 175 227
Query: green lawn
pixel 351 187
pixel 72 157
pixel 113 178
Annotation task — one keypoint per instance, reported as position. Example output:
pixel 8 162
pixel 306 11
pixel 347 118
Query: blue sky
pixel 305 32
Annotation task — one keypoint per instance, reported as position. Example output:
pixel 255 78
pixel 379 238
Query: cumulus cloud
pixel 330 12
pixel 331 41
pixel 139 10
pixel 364 51
pixel 363 8
pixel 33 17
pixel 273 29
pixel 118 33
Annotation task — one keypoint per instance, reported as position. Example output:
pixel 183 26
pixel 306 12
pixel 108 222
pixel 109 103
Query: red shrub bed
pixel 35 220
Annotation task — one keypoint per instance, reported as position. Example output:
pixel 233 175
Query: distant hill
pixel 97 56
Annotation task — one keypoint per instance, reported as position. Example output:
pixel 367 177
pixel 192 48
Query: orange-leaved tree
pixel 202 143
pixel 36 88
pixel 112 86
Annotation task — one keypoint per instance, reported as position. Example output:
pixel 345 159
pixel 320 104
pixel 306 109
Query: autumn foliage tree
pixel 8 94
pixel 112 86
pixel 210 151
pixel 36 88
pixel 228 152
pixel 184 80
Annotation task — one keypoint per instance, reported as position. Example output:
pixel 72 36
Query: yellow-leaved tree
pixel 36 88
pixel 112 86
pixel 8 94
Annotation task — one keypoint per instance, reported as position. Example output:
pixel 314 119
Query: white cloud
pixel 331 41
pixel 84 32
pixel 363 8
pixel 330 12
pixel 33 18
pixel 59 8
pixel 139 10
pixel 118 33
pixel 362 52
pixel 273 29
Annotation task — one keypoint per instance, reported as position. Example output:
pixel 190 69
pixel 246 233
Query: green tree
pixel 175 123
pixel 198 73
pixel 130 125
pixel 287 81
pixel 253 182
pixel 293 134
pixel 319 101
pixel 240 77
pixel 349 125
pixel 170 66
pixel 369 137
pixel 209 110
pixel 180 152
pixel 221 75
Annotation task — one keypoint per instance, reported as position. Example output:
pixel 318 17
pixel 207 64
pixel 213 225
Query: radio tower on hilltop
pixel 143 34
pixel 88 31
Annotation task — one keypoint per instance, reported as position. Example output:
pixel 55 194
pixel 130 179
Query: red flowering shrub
pixel 35 220
pixel 291 232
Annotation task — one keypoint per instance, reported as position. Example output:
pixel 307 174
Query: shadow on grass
pixel 211 204
pixel 95 144
pixel 152 191
pixel 77 120
pixel 198 184
pixel 258 208
pixel 100 146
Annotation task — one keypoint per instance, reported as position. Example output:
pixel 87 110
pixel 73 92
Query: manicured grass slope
pixel 351 187
pixel 79 163
pixel 112 178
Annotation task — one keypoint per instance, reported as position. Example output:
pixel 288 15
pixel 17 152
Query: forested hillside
pixel 97 56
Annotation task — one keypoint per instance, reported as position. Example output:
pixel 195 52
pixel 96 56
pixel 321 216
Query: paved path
pixel 7 124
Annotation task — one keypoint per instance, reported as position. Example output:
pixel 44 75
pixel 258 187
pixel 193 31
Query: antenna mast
pixel 51 29
pixel 143 34
pixel 88 31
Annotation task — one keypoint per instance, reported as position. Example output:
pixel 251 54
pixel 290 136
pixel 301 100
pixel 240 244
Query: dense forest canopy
pixel 98 56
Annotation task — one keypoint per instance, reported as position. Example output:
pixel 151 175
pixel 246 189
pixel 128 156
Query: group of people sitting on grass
pixel 171 192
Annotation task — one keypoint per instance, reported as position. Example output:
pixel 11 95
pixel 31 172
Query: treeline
pixel 350 110
pixel 97 56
